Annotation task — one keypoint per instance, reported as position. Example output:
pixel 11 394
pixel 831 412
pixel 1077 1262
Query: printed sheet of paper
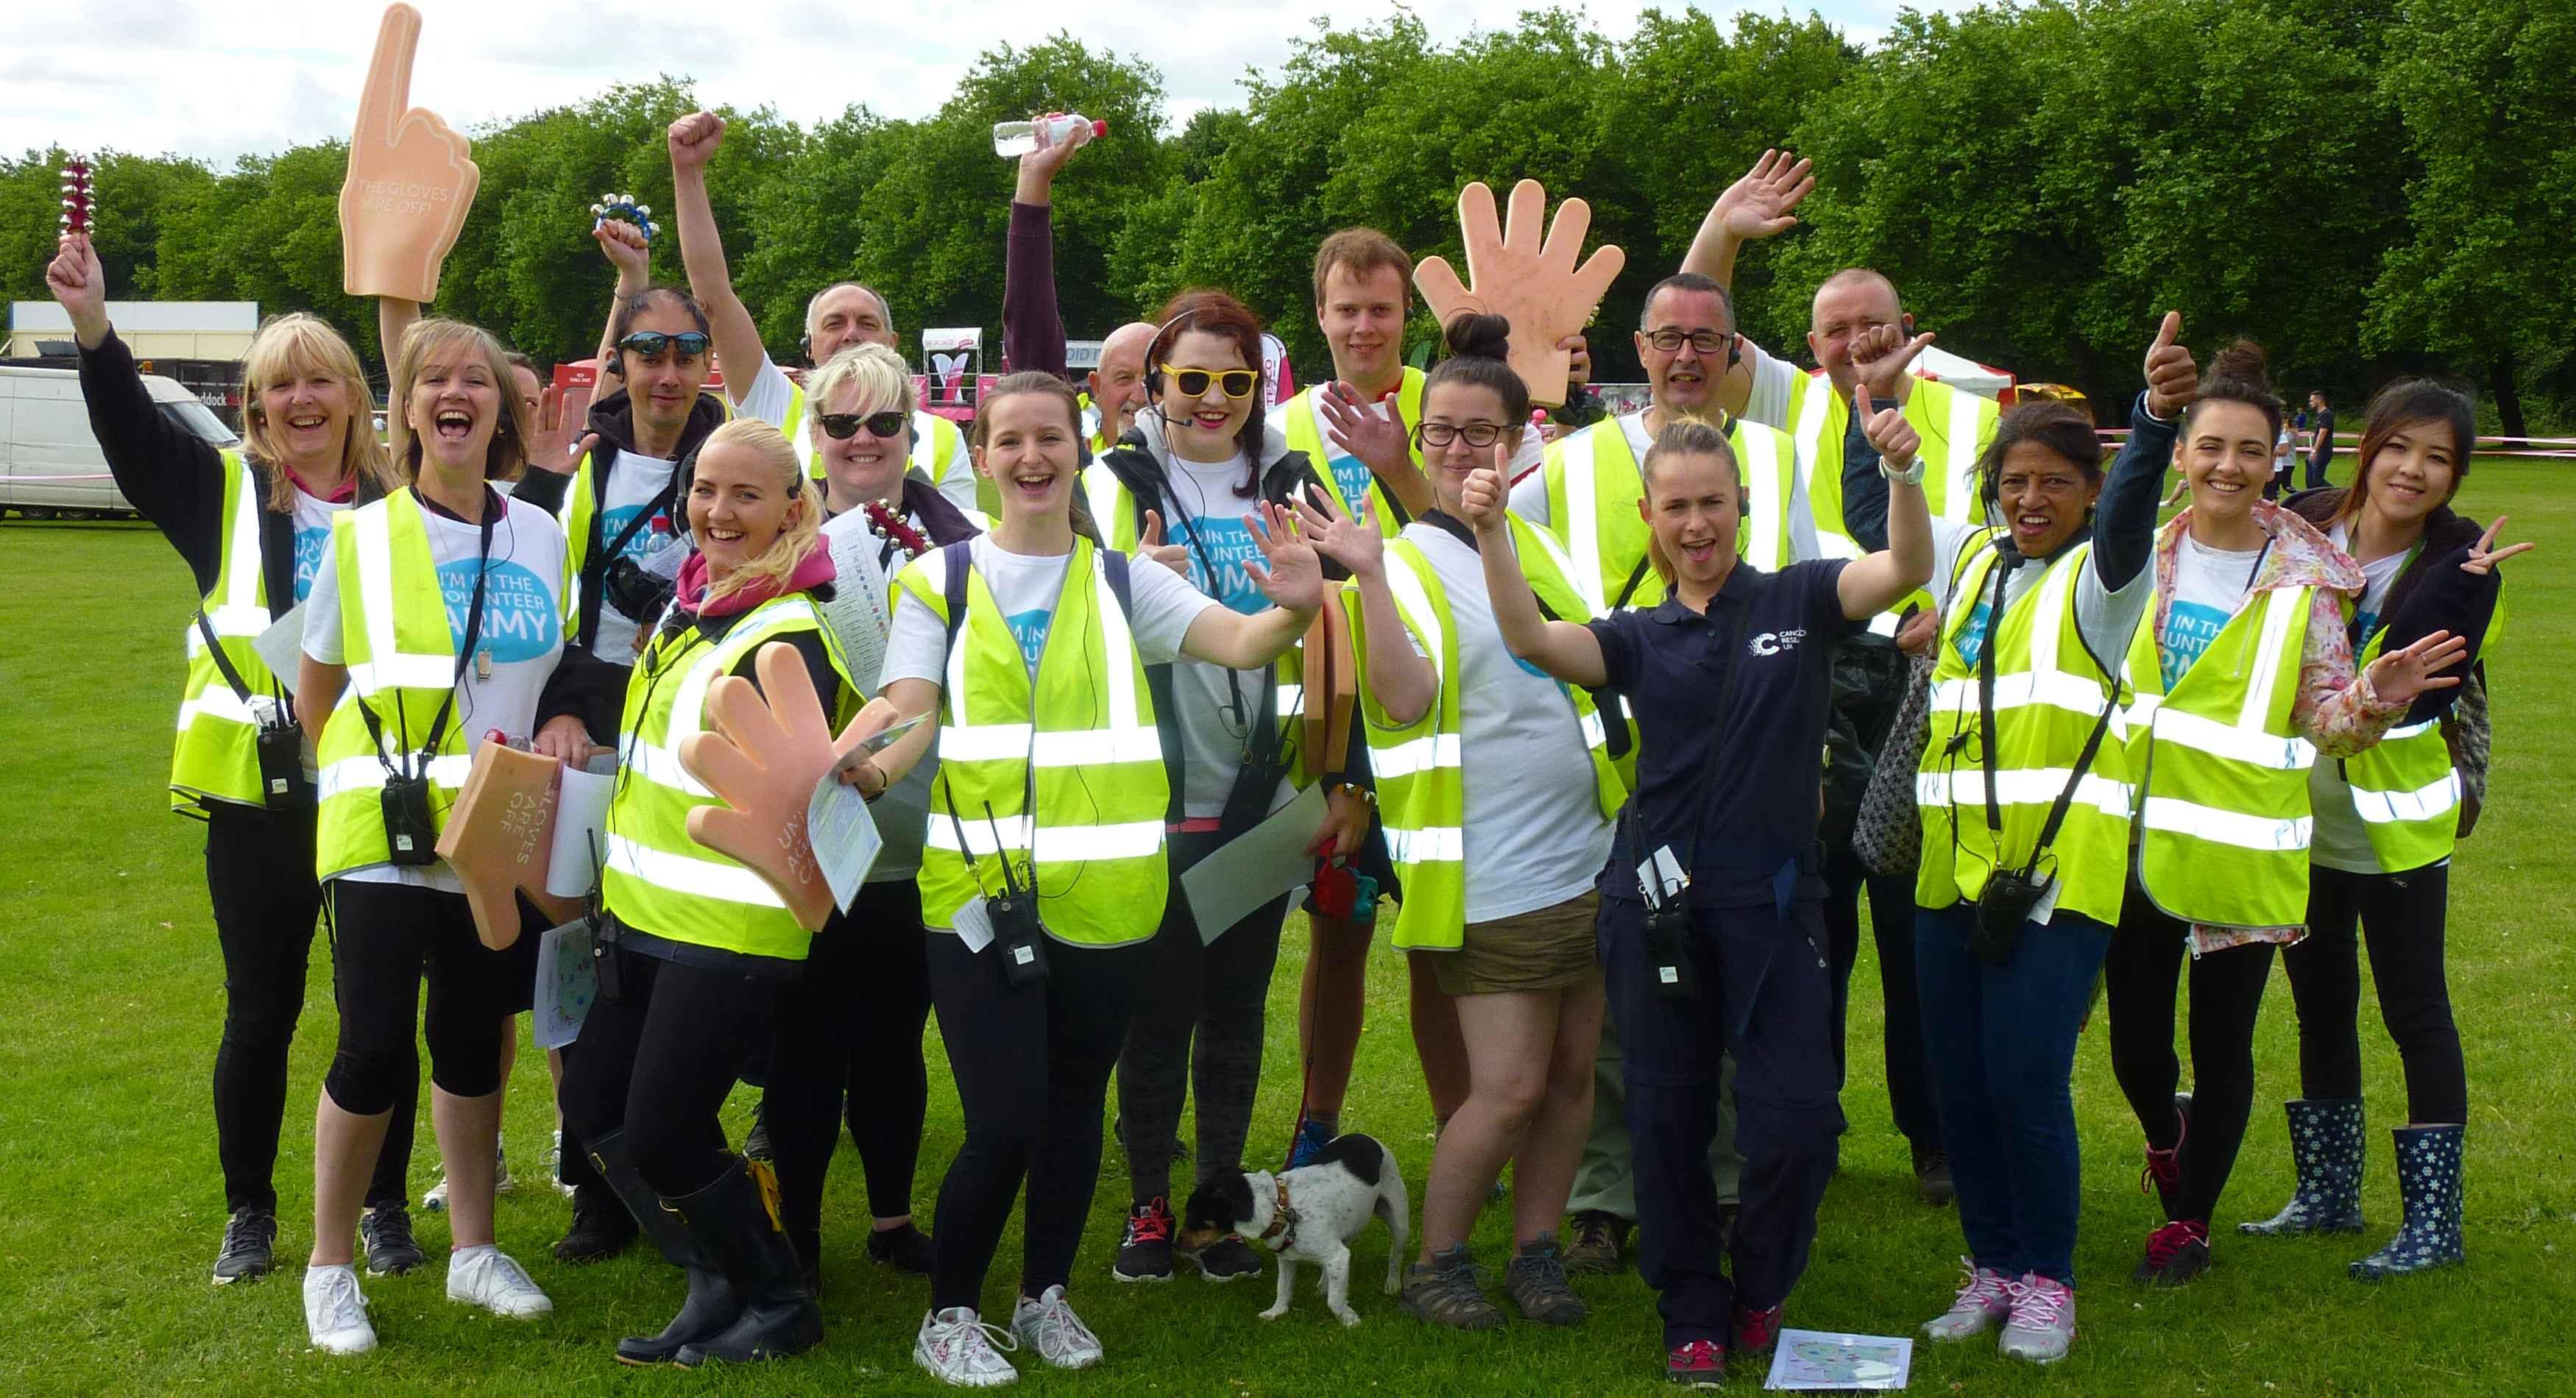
pixel 1256 866
pixel 567 983
pixel 844 836
pixel 581 813
pixel 281 647
pixel 1827 1360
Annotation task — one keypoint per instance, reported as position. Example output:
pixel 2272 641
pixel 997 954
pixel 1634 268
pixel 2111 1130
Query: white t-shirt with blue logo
pixel 2209 586
pixel 522 633
pixel 634 483
pixel 1535 835
pixel 1203 513
pixel 1025 588
pixel 312 538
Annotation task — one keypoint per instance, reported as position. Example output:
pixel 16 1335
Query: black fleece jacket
pixel 2431 594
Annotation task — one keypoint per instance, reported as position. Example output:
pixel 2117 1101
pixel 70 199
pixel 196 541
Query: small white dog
pixel 1309 1214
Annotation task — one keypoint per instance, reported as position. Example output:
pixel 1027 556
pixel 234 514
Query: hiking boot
pixel 489 1278
pixel 1446 1293
pixel 2428 1180
pixel 2176 1254
pixel 601 1227
pixel 1145 1255
pixel 391 1249
pixel 1983 1302
pixel 1932 1182
pixel 960 1350
pixel 250 1246
pixel 1699 1364
pixel 2163 1175
pixel 1050 1327
pixel 1535 1280
pixel 1227 1258
pixel 906 1249
pixel 2042 1325
pixel 335 1311
pixel 1756 1331
pixel 2326 1151
pixel 1599 1244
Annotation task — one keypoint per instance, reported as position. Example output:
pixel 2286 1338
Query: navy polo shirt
pixel 1736 823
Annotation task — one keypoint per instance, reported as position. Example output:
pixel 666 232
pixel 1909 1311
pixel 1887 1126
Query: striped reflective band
pixel 2412 730
pixel 703 878
pixel 366 773
pixel 2251 746
pixel 661 766
pixel 1582 499
pixel 1056 844
pixel 1762 464
pixel 1594 734
pixel 216 701
pixel 1959 498
pixel 229 620
pixel 1291 697
pixel 995 742
pixel 386 664
pixel 2025 787
pixel 2054 688
pixel 1415 755
pixel 2209 823
pixel 1415 604
pixel 2395 807
pixel 1438 843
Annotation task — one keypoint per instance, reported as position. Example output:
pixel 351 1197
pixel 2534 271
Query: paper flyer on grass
pixel 1826 1360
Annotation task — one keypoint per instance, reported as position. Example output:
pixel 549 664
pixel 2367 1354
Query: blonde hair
pixel 1685 436
pixel 289 347
pixel 878 373
pixel 804 523
pixel 426 339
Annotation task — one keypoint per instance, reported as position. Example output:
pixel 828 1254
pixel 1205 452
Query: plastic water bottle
pixel 1013 139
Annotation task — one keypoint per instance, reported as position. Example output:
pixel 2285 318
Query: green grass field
pixel 111 1207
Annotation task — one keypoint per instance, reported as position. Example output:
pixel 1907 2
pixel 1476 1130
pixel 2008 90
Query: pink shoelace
pixel 1980 1289
pixel 2038 1303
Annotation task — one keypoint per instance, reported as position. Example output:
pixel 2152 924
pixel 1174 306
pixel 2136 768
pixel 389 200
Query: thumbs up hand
pixel 1151 547
pixel 1886 429
pixel 2173 381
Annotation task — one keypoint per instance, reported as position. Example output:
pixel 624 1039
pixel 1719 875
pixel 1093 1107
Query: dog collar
pixel 1281 1235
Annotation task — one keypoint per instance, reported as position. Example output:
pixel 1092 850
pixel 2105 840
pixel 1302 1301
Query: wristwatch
pixel 1911 475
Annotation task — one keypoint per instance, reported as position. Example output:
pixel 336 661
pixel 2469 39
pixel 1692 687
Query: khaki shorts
pixel 1545 949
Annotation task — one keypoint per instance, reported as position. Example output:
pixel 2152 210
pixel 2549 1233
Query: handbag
pixel 1887 832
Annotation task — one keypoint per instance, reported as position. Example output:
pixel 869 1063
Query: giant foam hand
pixel 763 758
pixel 410 180
pixel 1533 284
pixel 499 839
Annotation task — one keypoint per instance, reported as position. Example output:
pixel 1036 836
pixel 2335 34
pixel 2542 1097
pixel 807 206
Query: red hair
pixel 1203 310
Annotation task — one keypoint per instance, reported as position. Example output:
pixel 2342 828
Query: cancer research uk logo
pixel 1774 642
pixel 519 619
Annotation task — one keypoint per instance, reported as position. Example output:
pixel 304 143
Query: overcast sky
pixel 218 81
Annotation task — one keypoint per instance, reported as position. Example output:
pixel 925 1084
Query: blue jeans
pixel 2000 1040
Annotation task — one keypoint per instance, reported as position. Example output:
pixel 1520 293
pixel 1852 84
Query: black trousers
pixel 1765 995
pixel 1891 928
pixel 388 940
pixel 849 1033
pixel 2141 976
pixel 658 1062
pixel 2403 917
pixel 259 877
pixel 1032 1065
pixel 1197 1029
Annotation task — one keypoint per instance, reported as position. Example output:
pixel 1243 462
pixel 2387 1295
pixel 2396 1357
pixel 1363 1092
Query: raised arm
pixel 1873 584
pixel 1758 205
pixel 1568 651
pixel 1404 684
pixel 1032 325
pixel 1293 578
pixel 693 141
pixel 623 244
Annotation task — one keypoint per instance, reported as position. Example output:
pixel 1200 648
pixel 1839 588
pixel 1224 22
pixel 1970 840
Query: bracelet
pixel 1367 795
pixel 1911 475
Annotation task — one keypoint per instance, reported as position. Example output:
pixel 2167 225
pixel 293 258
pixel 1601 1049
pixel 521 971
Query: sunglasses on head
pixel 841 427
pixel 1237 383
pixel 651 343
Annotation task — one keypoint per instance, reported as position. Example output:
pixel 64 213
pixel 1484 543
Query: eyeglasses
pixel 651 343
pixel 1441 434
pixel 841 427
pixel 1705 341
pixel 1237 383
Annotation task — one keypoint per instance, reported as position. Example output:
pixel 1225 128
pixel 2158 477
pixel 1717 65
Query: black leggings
pixel 852 1024
pixel 2140 978
pixel 658 1062
pixel 1198 1028
pixel 2402 915
pixel 1032 1067
pixel 259 876
pixel 387 938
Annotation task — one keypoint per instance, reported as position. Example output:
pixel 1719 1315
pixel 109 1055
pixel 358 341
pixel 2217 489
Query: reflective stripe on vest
pixel 1422 792
pixel 657 878
pixel 1303 422
pixel 2404 787
pixel 216 754
pixel 2224 817
pixel 2049 696
pixel 1955 426
pixel 1082 733
pixel 1605 537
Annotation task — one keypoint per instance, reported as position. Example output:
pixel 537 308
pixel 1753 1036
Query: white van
pixel 50 465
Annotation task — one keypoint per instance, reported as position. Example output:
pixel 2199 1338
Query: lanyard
pixel 492 507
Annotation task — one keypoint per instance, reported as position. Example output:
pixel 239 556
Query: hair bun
pixel 1477 335
pixel 2241 362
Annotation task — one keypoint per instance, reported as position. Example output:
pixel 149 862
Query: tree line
pixel 2368 187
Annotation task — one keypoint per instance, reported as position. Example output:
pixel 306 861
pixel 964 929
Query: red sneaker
pixel 1756 1331
pixel 1699 1364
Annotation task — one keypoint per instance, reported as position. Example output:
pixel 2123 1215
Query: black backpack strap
pixel 954 558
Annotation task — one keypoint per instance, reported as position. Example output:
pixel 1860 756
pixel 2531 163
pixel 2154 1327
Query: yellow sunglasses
pixel 1237 383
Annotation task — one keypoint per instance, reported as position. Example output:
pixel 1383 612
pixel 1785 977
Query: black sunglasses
pixel 651 343
pixel 841 427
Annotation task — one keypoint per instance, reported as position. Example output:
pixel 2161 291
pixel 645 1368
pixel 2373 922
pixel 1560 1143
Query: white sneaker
pixel 1984 1301
pixel 335 1311
pixel 956 1346
pixel 501 1181
pixel 486 1277
pixel 1050 1327
pixel 2043 1320
pixel 435 1201
pixel 554 1168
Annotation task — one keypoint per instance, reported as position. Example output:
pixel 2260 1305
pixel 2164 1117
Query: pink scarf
pixel 691 597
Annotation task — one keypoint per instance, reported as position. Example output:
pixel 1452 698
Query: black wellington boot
pixel 712 1304
pixel 736 1220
